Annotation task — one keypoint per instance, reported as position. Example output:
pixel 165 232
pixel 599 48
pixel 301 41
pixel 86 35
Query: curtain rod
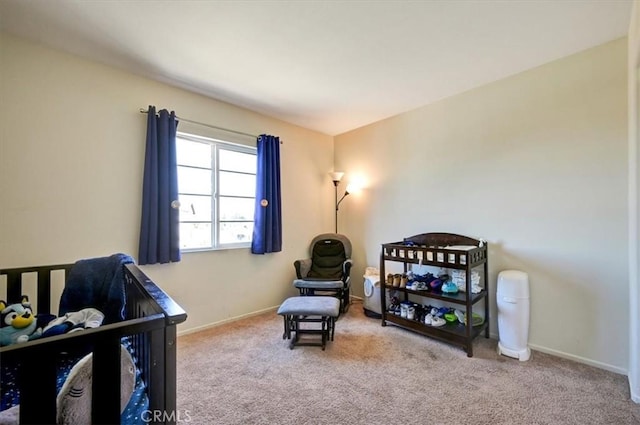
pixel 145 111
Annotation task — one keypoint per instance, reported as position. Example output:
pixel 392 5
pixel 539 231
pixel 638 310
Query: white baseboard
pixel 236 318
pixel 225 321
pixel 584 360
pixel 634 389
pixel 573 357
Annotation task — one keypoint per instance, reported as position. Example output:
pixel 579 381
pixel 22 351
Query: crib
pixel 151 319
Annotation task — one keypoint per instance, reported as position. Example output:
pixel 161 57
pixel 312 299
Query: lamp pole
pixel 335 184
pixel 346 192
pixel 336 176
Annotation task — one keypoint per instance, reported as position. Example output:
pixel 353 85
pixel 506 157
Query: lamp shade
pixel 353 187
pixel 336 176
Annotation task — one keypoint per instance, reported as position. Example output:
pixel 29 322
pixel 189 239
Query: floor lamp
pixel 336 176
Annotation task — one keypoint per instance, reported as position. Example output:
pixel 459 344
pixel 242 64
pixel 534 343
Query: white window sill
pixel 219 248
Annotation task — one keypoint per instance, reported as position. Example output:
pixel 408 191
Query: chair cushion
pixel 310 306
pixel 318 284
pixel 327 259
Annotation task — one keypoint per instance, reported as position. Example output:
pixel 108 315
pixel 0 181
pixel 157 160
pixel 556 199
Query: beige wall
pixel 535 164
pixel 71 158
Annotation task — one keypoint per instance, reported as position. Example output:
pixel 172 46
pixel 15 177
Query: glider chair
pixel 327 271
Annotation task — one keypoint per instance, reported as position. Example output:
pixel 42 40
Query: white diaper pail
pixel 512 296
pixel 371 300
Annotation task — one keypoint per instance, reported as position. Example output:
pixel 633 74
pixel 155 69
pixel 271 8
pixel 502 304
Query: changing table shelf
pixel 442 250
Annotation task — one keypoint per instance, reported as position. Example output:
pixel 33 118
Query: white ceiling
pixel 330 66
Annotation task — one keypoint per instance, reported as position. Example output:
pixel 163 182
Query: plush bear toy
pixel 17 323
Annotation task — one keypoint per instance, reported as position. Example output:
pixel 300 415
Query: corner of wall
pixel 634 207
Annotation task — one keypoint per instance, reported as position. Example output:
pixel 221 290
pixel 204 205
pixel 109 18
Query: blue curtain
pixel 159 229
pixel 267 228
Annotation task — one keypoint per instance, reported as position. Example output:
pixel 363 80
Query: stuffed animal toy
pixel 17 323
pixel 74 399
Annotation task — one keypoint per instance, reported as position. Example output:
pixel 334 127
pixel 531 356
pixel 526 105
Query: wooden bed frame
pixel 151 318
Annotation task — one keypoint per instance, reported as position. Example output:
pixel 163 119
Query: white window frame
pixel 217 145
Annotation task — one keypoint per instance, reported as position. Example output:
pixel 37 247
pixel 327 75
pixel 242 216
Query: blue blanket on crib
pixel 97 283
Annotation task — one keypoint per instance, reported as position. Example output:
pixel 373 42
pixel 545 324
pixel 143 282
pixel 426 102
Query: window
pixel 216 188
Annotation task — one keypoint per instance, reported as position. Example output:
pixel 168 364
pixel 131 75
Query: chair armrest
pixel 302 267
pixel 346 271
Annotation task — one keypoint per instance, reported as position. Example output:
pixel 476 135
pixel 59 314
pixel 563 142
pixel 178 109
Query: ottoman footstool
pixel 299 310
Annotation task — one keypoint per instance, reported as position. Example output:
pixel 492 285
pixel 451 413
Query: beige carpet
pixel 244 373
